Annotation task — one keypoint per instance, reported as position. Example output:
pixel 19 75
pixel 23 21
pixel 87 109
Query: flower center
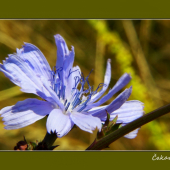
pixel 75 99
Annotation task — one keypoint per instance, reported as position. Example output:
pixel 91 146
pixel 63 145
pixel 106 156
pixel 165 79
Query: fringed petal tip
pixel 72 49
pixel 25 113
pixel 128 74
pixel 26 45
pixel 109 60
pixel 58 37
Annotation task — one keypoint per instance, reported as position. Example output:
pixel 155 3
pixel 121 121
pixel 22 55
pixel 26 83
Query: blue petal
pixel 124 80
pixel 62 50
pixel 128 112
pixel 67 66
pixel 25 113
pixel 106 83
pixel 65 58
pixel 59 123
pixel 86 122
pixel 68 63
pixel 20 73
pixel 114 105
pixel 36 60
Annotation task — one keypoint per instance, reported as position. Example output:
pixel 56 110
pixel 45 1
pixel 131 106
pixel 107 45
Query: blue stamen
pixel 85 103
pixel 100 85
pixel 77 80
pixel 89 74
pixel 58 71
pixel 56 88
pixel 67 106
pixel 76 97
pixel 77 102
pixel 82 82
pixel 65 102
pixel 71 72
pixel 63 92
pixel 59 88
pixel 59 94
pixel 83 107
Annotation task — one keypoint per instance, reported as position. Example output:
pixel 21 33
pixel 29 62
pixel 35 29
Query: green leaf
pixel 33 144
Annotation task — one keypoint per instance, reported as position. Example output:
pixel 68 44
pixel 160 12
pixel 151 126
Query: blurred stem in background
pixel 140 59
pixel 144 35
pixel 99 69
pixel 9 93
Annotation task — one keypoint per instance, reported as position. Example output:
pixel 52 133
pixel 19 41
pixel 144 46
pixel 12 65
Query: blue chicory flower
pixel 63 102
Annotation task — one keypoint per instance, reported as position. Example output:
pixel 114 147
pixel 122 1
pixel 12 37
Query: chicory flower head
pixel 63 102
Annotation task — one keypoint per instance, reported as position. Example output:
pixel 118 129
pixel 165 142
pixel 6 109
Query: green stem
pixel 107 140
pixel 49 139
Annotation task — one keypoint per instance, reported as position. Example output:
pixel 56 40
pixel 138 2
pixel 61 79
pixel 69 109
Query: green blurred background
pixel 138 47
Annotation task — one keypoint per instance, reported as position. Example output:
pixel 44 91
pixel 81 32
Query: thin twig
pixel 107 140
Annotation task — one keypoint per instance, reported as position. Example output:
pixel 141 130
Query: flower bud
pixel 21 145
